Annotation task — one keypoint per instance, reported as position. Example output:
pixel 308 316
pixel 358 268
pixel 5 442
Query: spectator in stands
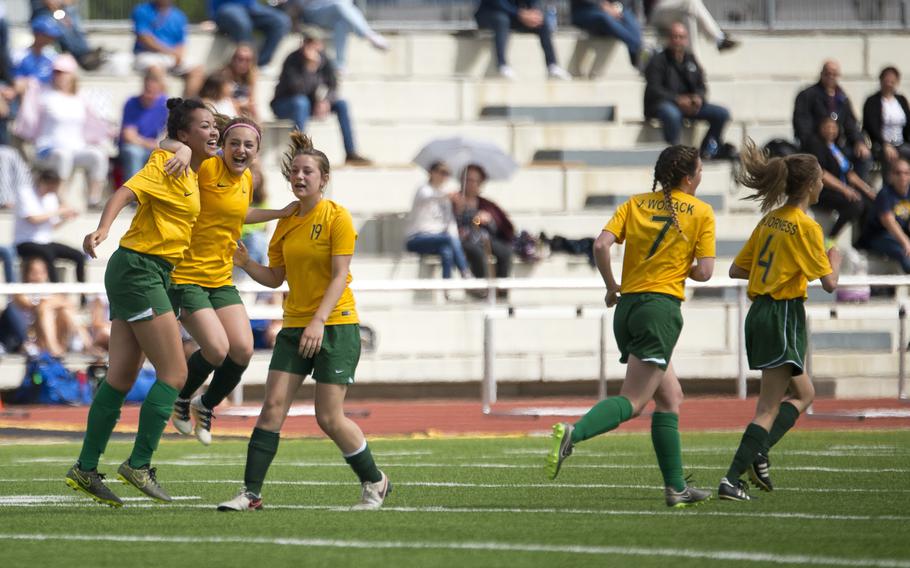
pixel 827 99
pixel 887 229
pixel 7 91
pixel 341 17
pixel 431 226
pixel 144 120
pixel 844 190
pixel 160 29
pixel 15 179
pixel 886 119
pixel 65 129
pixel 242 73
pixel 663 13
pixel 38 213
pixel 610 18
pixel 676 89
pixel 308 85
pixel 238 18
pixel 483 226
pixel 216 92
pixel 524 16
pixel 64 16
pixel 38 59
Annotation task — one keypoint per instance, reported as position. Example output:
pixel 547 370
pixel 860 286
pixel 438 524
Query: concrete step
pixel 555 113
pixel 641 156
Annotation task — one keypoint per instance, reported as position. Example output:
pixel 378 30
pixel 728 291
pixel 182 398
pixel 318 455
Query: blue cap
pixel 46 25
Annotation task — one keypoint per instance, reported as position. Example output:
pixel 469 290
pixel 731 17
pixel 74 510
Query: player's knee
pixel 272 415
pixel 329 422
pixel 241 354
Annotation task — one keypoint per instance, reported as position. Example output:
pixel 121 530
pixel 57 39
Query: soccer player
pixel 786 251
pixel 320 335
pixel 143 322
pixel 202 292
pixel 664 233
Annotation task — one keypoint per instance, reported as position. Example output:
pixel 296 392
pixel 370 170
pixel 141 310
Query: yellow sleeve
pixel 209 172
pixel 706 246
pixel 151 179
pixel 344 237
pixel 745 256
pixel 617 225
pixel 813 261
pixel 276 253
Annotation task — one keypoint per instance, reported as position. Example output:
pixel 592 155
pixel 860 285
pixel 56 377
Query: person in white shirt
pixel 886 120
pixel 15 179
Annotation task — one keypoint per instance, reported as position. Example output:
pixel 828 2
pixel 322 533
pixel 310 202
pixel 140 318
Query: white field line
pixel 372 545
pixel 840 453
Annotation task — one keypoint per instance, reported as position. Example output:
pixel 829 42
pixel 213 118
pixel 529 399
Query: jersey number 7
pixel 766 264
pixel 667 221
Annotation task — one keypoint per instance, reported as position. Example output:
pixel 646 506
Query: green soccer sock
pixel 361 461
pixel 667 446
pixel 102 417
pixel 604 416
pixel 262 448
pixel 787 416
pixel 225 380
pixel 754 439
pixel 153 415
pixel 198 370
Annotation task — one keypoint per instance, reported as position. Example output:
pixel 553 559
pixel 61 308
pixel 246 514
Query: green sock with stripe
pixel 668 448
pixel 102 418
pixel 225 380
pixel 787 415
pixel 259 454
pixel 198 370
pixel 754 439
pixel 361 461
pixel 604 416
pixel 153 416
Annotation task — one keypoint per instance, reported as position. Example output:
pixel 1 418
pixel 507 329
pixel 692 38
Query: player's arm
pixel 602 258
pixel 179 163
pixel 121 198
pixel 738 272
pixel 829 281
pixel 263 215
pixel 703 269
pixel 271 276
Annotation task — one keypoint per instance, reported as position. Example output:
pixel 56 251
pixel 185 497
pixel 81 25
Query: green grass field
pixel 842 499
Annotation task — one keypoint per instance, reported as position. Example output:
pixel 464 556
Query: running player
pixel 136 281
pixel 320 335
pixel 664 234
pixel 785 252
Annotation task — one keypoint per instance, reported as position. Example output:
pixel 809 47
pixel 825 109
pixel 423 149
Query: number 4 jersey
pixel 305 247
pixel 658 257
pixel 785 252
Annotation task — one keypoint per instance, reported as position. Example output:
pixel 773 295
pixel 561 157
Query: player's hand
pixel 612 297
pixel 241 255
pixel 311 340
pixel 179 164
pixel 92 240
pixel 290 209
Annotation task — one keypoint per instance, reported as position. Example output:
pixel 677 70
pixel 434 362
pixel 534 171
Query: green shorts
pixel 187 298
pixel 776 334
pixel 336 361
pixel 647 325
pixel 136 285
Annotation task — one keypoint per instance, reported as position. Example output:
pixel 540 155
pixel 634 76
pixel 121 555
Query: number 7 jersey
pixel 786 251
pixel 657 257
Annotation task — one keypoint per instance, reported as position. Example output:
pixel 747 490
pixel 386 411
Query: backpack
pixel 47 381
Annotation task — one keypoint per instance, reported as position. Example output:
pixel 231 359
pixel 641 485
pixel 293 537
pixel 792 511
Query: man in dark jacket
pixel 826 98
pixel 676 90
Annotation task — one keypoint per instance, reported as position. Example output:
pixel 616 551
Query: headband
pixel 243 125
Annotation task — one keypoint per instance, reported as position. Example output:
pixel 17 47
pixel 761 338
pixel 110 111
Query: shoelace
pixel 206 416
pixel 183 410
pixel 152 475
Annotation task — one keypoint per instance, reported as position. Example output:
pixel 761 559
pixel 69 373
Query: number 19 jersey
pixel 657 257
pixel 786 251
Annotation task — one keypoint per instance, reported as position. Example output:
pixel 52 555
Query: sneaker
pixel 92 484
pixel 373 494
pixel 760 473
pixel 245 501
pixel 561 448
pixel 688 497
pixel 180 416
pixel 556 72
pixel 203 418
pixel 378 41
pixel 735 491
pixel 357 160
pixel 143 479
pixel 506 72
pixel 727 43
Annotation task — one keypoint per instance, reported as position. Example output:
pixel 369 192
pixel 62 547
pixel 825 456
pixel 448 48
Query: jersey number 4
pixel 765 263
pixel 667 221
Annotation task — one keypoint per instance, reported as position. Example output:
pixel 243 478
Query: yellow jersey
pixel 785 251
pixel 657 257
pixel 168 207
pixel 225 199
pixel 304 246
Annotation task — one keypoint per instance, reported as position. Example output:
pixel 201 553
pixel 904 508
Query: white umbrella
pixel 459 152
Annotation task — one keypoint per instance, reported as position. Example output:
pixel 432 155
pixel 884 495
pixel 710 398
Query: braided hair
pixel 774 178
pixel 302 145
pixel 673 165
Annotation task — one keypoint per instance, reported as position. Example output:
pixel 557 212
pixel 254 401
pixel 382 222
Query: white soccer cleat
pixel 245 501
pixel 181 416
pixel 373 494
pixel 203 418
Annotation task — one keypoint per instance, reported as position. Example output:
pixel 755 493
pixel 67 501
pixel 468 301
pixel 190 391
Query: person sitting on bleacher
pixel 15 178
pixel 524 16
pixel 886 119
pixel 64 16
pixel 676 90
pixel 826 99
pixel 7 92
pixel 238 18
pixel 887 229
pixel 241 72
pixel 662 13
pixel 160 29
pixel 216 93
pixel 144 120
pixel 610 18
pixel 431 226
pixel 38 60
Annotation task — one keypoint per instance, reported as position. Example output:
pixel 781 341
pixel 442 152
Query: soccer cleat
pixel 203 418
pixel 688 497
pixel 735 491
pixel 760 473
pixel 561 441
pixel 144 479
pixel 92 484
pixel 181 416
pixel 373 494
pixel 245 501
